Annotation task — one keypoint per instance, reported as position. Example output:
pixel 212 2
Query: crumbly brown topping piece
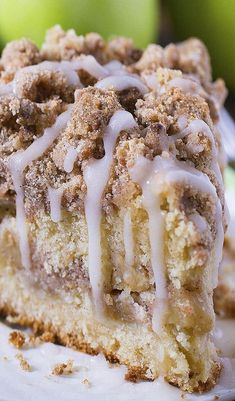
pixel 86 382
pixel 60 45
pixel 23 362
pixel 123 49
pixel 190 56
pixel 17 339
pixel 18 54
pixel 47 337
pixel 65 368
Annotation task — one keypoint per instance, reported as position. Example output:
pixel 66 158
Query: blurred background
pixel 144 20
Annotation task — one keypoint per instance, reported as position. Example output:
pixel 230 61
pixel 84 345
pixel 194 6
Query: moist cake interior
pixel 112 200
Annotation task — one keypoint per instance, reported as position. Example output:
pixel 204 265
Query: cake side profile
pixel 112 200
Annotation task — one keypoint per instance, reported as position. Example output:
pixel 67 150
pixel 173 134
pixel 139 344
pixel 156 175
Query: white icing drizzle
pixel 17 164
pixel 153 176
pixel 196 126
pixel 90 65
pixel 96 175
pixel 199 221
pixel 18 182
pixel 5 89
pixel 64 66
pixel 119 78
pixel 70 159
pixel 180 171
pixel 182 122
pixel 128 244
pixel 68 68
pixel 121 82
pixel 55 197
pixel 200 125
pixel 143 173
pixel 152 82
pixel 114 67
pixel 187 86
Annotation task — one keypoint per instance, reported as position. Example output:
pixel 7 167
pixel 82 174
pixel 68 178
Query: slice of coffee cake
pixel 112 201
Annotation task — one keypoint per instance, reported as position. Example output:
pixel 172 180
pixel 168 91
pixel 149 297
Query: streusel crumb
pixel 65 368
pixel 23 362
pixel 17 339
pixel 86 382
pixel 19 54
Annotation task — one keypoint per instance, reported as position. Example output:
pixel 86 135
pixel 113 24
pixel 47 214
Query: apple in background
pixel 137 19
pixel 213 21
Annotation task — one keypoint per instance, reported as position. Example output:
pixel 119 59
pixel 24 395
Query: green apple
pixel 214 22
pixel 31 18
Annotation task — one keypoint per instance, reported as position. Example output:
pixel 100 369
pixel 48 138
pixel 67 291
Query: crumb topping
pixel 23 362
pixel 42 95
pixel 19 54
pixel 60 45
pixel 65 368
pixel 167 108
pixel 190 56
pixel 86 382
pixel 17 339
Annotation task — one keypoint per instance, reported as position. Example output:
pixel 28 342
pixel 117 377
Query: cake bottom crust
pixel 131 344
